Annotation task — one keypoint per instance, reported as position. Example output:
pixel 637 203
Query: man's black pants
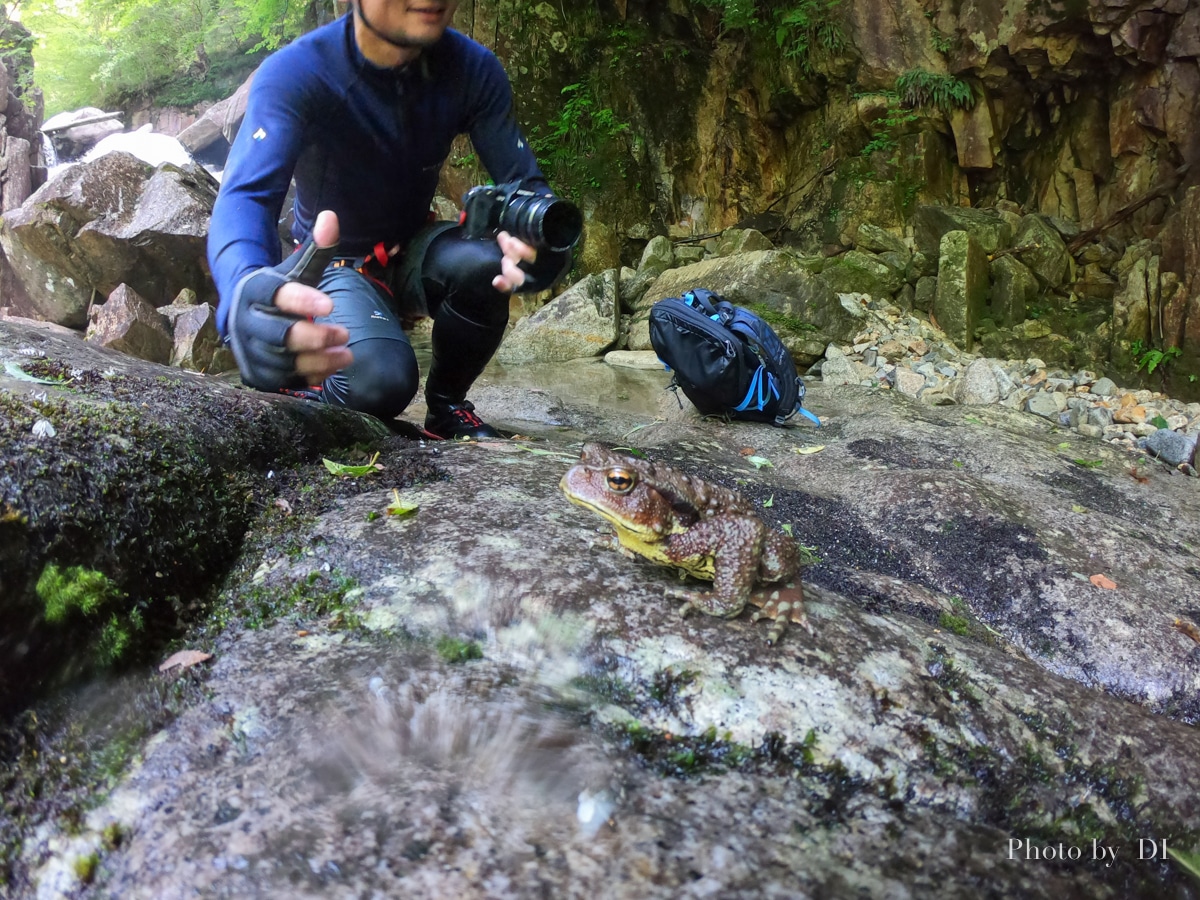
pixel 469 317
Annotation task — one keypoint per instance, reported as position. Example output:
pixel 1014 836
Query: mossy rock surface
pixel 131 475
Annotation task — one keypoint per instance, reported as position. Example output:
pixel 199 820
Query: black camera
pixel 539 220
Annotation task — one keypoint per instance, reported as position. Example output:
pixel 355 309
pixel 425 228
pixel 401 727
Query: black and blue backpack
pixel 726 359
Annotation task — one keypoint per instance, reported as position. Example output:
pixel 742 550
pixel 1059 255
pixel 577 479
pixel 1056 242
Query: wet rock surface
pixel 473 700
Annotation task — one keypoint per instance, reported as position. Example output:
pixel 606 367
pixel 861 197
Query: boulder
pixel 197 345
pixel 113 221
pixel 978 384
pixel 878 240
pixel 962 286
pixel 775 279
pixel 986 226
pixel 1013 287
pixel 580 323
pixel 219 123
pixel 1040 247
pixel 857 272
pixel 73 140
pixel 742 240
pixel 128 323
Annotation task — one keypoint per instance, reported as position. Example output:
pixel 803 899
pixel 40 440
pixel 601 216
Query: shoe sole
pixel 437 437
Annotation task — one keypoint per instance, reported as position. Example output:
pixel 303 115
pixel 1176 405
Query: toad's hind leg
pixel 733 544
pixel 781 603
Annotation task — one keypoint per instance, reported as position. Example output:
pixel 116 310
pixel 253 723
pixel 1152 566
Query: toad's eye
pixel 620 481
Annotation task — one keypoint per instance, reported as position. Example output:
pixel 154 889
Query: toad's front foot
pixel 706 602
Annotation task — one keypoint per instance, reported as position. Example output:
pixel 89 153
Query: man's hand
pixel 274 343
pixel 515 252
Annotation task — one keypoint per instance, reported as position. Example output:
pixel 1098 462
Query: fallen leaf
pixel 303 632
pixel 400 507
pixel 185 659
pixel 1102 581
pixel 805 451
pixel 747 451
pixel 786 528
pixel 769 502
pixel 1189 629
pixel 760 462
pixel 341 469
pixel 284 505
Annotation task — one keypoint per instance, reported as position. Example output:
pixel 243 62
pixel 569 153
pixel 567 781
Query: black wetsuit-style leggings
pixel 469 317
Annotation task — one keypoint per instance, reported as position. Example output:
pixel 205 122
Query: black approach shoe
pixel 457 422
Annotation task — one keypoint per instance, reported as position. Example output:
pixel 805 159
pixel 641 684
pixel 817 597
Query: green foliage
pixel 735 14
pixel 16 53
pixel 1189 862
pixel 803 28
pixel 918 88
pixel 102 52
pixel 799 29
pixel 64 590
pixel 456 650
pixel 1150 358
pixel 273 22
pixel 889 127
pixel 585 141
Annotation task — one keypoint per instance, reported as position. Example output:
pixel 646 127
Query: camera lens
pixel 544 222
pixel 562 224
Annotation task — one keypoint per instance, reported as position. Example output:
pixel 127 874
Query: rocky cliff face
pixel 20 118
pixel 807 118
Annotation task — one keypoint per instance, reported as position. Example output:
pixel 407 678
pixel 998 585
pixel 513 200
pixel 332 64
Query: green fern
pixel 918 88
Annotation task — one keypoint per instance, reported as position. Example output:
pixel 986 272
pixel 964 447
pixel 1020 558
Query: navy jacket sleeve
pixel 243 233
pixel 496 135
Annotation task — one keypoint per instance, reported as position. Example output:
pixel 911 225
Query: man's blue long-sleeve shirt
pixel 365 142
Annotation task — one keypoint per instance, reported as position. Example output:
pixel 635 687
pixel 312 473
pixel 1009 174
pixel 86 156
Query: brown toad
pixel 701 529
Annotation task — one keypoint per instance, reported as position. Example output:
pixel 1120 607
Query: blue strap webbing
pixel 757 393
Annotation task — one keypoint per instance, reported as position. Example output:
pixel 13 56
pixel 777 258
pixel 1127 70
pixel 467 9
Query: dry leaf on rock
pixel 184 659
pixel 1189 629
pixel 1102 581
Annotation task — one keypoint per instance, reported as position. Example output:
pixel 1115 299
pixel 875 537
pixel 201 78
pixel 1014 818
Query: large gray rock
pixel 196 343
pixel 1040 247
pixel 220 122
pixel 580 323
pixel 128 323
pixel 658 255
pixel 1013 288
pixel 932 223
pixel 109 222
pixel 774 279
pixel 879 240
pixel 857 272
pixel 962 286
pixel 965 685
pixel 742 240
pixel 73 140
pixel 1131 305
pixel 978 384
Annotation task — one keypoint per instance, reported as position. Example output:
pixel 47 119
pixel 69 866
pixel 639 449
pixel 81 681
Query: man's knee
pixel 381 381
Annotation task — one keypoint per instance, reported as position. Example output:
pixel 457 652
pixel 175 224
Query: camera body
pixel 540 220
